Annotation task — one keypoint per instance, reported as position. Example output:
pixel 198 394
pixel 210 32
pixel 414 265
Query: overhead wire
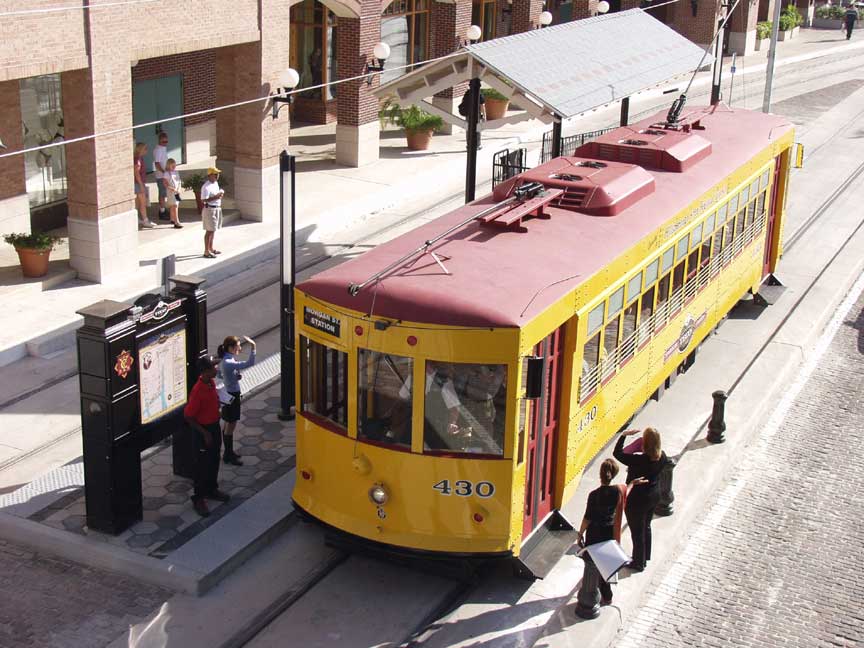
pixel 237 104
pixel 77 7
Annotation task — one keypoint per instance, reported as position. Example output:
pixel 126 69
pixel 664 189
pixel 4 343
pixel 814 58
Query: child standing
pixel 171 182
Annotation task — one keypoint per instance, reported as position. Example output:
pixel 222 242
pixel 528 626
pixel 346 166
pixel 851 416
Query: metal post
pixel 588 598
pixel 772 55
pixel 718 65
pixel 168 265
pixel 625 111
pixel 667 497
pixel 471 139
pixel 732 78
pixel 717 426
pixel 556 137
pixel 288 272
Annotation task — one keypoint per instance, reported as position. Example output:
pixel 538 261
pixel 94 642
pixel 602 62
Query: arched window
pixel 405 28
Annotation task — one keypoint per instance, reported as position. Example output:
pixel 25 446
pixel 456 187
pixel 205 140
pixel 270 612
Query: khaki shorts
pixel 211 219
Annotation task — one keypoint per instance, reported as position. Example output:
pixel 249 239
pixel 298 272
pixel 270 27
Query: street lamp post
pixel 473 33
pixel 288 272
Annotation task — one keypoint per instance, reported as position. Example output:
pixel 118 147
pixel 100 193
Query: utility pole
pixel 772 53
pixel 288 276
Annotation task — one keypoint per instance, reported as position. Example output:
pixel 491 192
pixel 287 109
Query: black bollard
pixel 588 598
pixel 667 497
pixel 717 426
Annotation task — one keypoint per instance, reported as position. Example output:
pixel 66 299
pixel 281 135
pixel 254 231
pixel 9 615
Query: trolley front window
pixel 384 398
pixel 465 408
pixel 324 383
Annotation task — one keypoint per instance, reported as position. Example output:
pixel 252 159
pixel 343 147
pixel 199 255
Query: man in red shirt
pixel 202 415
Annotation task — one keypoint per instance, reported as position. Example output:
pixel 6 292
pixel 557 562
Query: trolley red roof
pixel 503 277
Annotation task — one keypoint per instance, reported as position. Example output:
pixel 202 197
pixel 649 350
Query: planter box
pixel 785 35
pixel 827 23
pixel 763 44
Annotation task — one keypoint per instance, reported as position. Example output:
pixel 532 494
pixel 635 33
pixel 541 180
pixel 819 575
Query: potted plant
pixel 790 18
pixel 419 125
pixel 763 34
pixel 496 103
pixel 194 183
pixel 34 251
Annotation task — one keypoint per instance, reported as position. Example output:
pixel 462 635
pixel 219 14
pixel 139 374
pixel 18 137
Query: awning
pixel 561 71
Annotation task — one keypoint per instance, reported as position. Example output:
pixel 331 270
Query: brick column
pixel 357 131
pixel 584 8
pixel 450 21
pixel 251 138
pixel 742 26
pixel 14 207
pixel 526 15
pixel 699 28
pixel 102 222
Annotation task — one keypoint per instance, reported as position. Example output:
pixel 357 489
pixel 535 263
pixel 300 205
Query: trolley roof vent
pixel 585 185
pixel 654 148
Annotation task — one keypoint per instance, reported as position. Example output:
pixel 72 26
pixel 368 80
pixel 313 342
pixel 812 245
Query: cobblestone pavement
pixel 267 449
pixel 775 559
pixel 54 603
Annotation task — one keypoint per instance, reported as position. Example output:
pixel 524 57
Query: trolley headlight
pixel 379 495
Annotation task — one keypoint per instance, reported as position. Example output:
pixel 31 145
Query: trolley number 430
pixel 465 488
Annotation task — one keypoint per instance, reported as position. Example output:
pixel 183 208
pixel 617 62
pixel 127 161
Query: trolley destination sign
pixel 322 321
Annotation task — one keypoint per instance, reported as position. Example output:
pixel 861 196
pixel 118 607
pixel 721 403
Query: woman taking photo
pixel 643 473
pixel 230 367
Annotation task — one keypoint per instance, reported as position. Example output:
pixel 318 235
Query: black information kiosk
pixel 136 365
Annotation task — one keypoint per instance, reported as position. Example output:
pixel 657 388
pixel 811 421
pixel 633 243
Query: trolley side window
pixel 384 404
pixel 324 383
pixel 590 359
pixel 465 408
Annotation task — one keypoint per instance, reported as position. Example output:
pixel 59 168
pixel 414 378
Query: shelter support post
pixel 625 111
pixel 772 55
pixel 556 137
pixel 472 139
pixel 717 72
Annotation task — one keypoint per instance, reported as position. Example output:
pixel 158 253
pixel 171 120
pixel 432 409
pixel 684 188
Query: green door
pixel 155 100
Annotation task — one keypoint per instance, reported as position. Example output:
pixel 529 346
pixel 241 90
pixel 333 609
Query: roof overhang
pixel 558 72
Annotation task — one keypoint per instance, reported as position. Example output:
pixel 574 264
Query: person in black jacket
pixel 849 19
pixel 643 472
pixel 598 525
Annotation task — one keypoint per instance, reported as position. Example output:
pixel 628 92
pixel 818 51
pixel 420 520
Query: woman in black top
pixel 597 525
pixel 643 472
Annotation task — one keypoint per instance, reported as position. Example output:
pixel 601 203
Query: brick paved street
pixel 49 602
pixel 775 559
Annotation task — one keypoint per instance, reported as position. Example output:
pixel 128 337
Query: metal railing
pixel 570 143
pixel 507 163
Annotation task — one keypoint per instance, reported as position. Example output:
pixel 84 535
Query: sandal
pixel 217 251
pixel 207 255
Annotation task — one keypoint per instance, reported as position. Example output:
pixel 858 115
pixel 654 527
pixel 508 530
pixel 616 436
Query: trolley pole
pixel 288 272
pixel 772 55
pixel 471 139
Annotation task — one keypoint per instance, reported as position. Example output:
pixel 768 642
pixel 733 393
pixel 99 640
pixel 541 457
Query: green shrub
pixel 412 118
pixel 492 93
pixel 830 12
pixel 763 30
pixel 793 14
pixel 34 241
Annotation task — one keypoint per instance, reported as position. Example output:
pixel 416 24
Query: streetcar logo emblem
pixel 688 330
pixel 124 363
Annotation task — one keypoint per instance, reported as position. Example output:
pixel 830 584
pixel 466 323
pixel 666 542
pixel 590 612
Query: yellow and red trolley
pixel 455 381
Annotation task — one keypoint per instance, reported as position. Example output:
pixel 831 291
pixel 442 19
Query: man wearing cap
pixel 211 219
pixel 202 415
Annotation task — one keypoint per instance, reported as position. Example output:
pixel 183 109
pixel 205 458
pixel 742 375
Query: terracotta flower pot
pixel 418 140
pixel 34 263
pixel 496 108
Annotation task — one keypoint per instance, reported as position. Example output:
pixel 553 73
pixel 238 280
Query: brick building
pixel 70 71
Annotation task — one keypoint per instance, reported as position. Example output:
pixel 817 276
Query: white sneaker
pixel 148 224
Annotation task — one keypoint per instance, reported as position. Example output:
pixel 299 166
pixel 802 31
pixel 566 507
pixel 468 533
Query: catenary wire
pixel 78 7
